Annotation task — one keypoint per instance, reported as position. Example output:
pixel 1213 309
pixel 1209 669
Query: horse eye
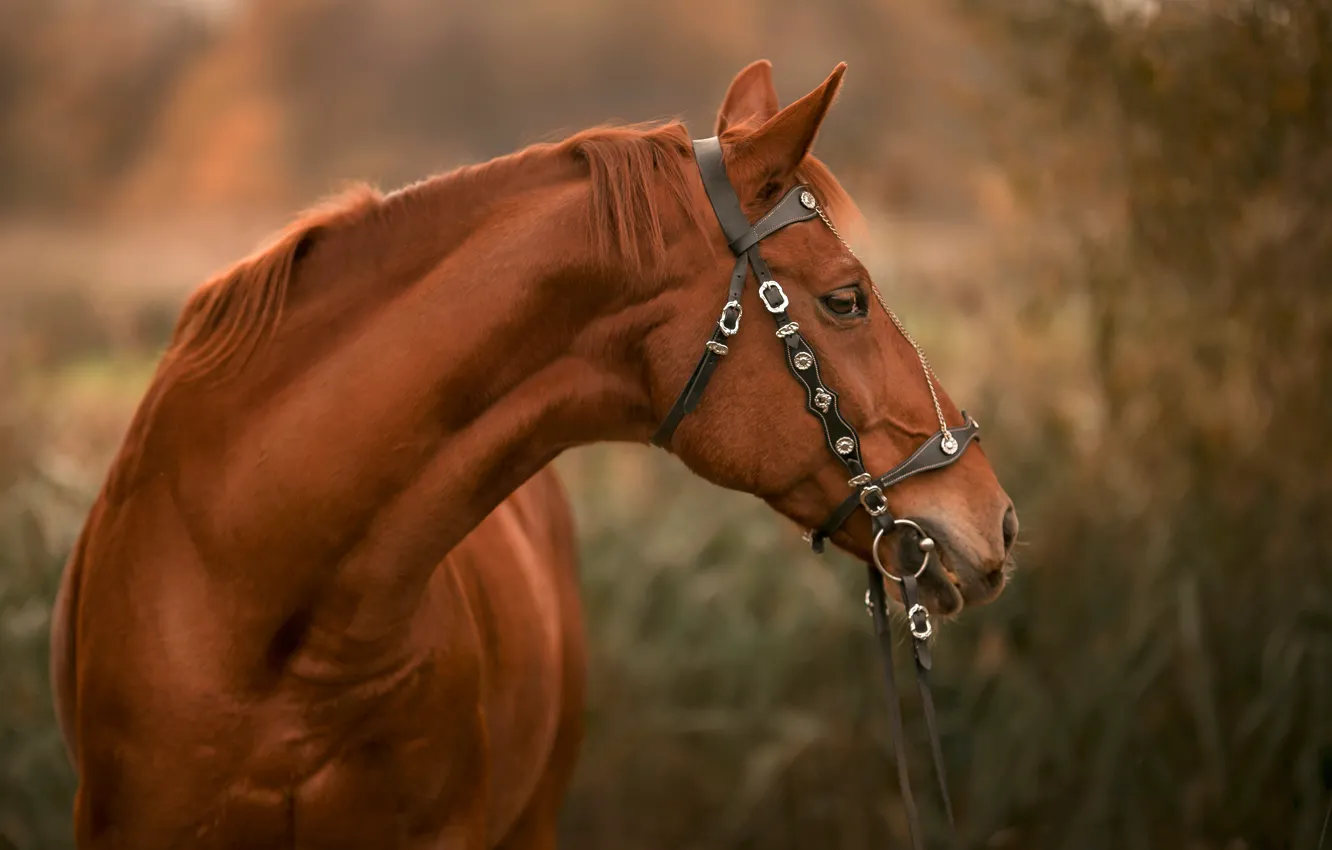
pixel 845 302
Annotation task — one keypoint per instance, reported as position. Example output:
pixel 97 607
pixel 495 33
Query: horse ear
pixel 751 95
pixel 785 138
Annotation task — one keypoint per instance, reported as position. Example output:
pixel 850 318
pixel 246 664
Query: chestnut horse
pixel 326 597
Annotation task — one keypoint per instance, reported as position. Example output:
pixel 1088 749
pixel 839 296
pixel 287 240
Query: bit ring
pixel 926 545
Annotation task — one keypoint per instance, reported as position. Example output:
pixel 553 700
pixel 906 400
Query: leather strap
pixel 929 456
pixel 713 350
pixel 884 634
pixel 920 651
pixel 712 168
pixel 737 230
pixel 744 240
pixel 789 210
pixel 804 365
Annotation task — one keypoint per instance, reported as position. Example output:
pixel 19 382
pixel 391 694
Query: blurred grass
pixel 36 782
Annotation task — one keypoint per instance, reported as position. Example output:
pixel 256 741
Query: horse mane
pixel 626 163
pixel 226 320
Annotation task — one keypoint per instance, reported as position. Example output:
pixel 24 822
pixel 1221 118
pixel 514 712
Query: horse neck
pixel 430 361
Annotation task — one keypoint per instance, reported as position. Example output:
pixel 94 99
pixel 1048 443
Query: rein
pixel 942 449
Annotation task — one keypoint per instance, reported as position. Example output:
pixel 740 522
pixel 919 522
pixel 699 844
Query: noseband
pixel 942 449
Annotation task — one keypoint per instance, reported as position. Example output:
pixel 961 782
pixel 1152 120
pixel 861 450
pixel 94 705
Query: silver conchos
pixel 822 399
pixel 844 445
pixel 803 360
pixel 949 443
pixel 808 200
pixel 717 348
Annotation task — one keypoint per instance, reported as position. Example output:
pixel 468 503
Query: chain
pixel 897 323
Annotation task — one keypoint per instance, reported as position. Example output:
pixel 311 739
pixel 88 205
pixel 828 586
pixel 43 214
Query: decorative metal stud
pixel 949 444
pixel 860 480
pixel 717 348
pixel 803 360
pixel 822 399
pixel 787 329
pixel 808 200
pixel 845 445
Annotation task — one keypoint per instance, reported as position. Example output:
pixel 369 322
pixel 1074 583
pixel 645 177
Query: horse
pixel 326 596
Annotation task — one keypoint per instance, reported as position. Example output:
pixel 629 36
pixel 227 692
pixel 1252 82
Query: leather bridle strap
pixel 795 206
pixel 929 456
pixel 942 449
pixel 878 604
pixel 877 600
pixel 713 351
pixel 743 241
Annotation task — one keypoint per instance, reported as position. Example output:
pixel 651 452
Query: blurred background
pixel 1109 223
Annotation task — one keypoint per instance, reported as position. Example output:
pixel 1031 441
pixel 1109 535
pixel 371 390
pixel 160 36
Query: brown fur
pixel 327 597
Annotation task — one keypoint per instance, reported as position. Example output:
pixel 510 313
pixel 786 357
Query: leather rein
pixel 942 449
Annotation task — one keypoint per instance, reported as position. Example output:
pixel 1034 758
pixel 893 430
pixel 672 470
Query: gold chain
pixel 897 323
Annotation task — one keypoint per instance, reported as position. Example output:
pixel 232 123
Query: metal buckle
pixel 735 327
pixel 916 632
pixel 785 301
pixel 874 489
pixel 926 545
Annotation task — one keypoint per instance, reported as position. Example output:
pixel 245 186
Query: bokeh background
pixel 1109 223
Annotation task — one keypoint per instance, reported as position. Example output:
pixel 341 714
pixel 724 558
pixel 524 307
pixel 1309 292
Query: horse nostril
pixel 1010 529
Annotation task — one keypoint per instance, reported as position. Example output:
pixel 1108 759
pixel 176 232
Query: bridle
pixel 942 449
